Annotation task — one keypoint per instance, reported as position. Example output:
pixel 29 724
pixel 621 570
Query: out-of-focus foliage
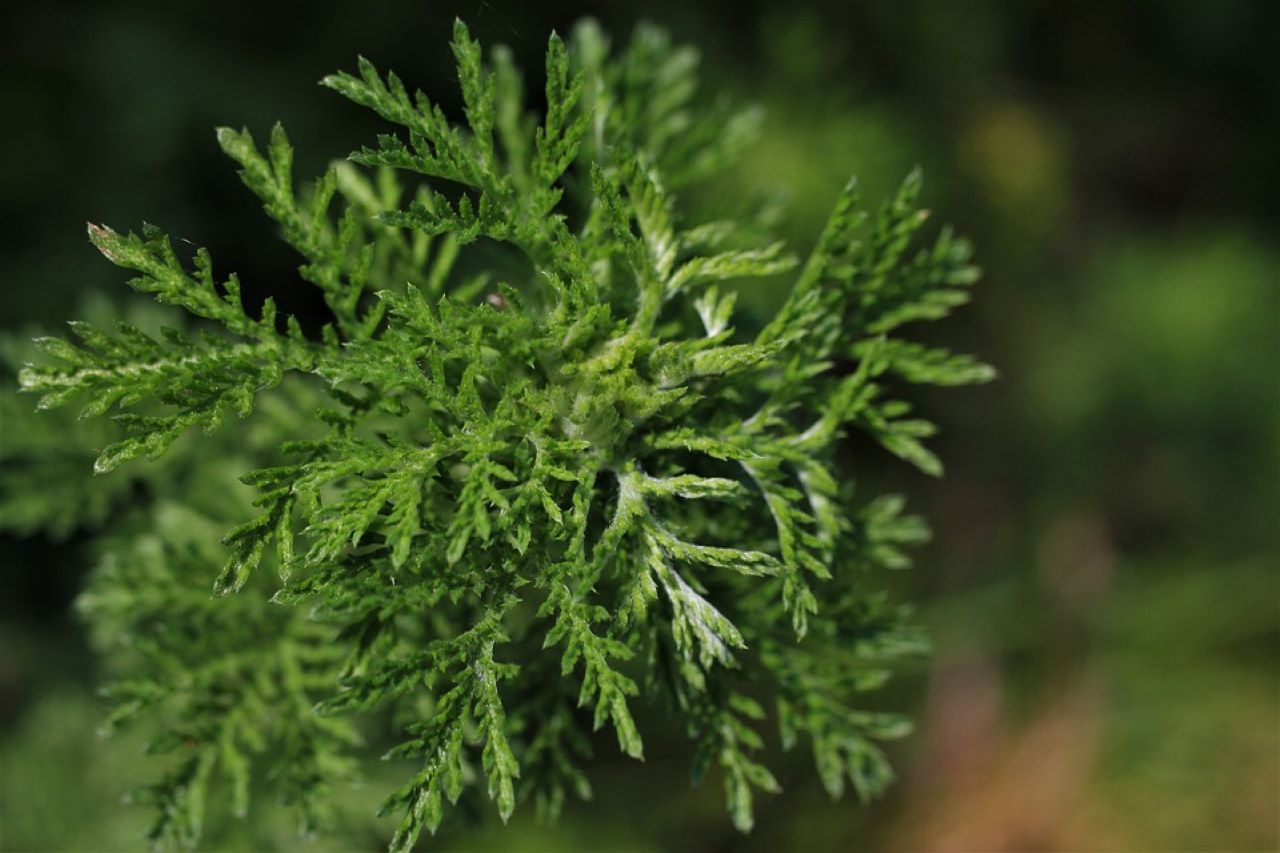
pixel 1104 564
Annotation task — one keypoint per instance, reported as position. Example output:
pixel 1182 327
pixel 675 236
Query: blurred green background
pixel 1104 584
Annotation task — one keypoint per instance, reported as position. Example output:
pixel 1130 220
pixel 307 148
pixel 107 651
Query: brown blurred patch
pixel 979 790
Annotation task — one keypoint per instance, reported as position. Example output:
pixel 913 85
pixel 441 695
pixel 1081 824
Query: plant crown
pixel 513 503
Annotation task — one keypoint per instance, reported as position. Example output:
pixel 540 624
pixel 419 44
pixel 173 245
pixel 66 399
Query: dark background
pixel 1102 587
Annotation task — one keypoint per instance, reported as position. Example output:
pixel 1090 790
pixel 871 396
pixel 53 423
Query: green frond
pixel 722 729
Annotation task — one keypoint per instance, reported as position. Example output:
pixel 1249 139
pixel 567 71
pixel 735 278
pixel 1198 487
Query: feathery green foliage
pixel 511 512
